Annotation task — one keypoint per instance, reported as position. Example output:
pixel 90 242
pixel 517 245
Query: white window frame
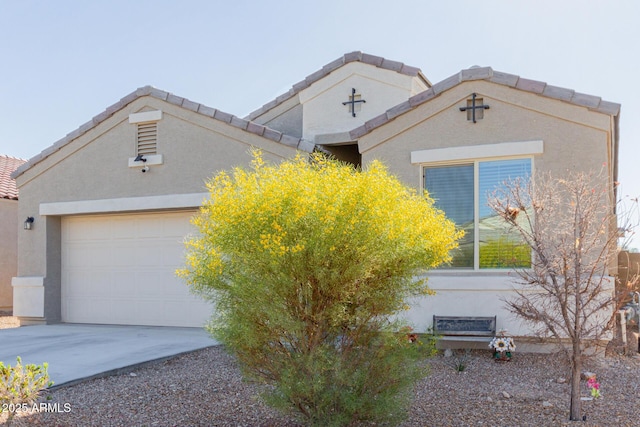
pixel 475 155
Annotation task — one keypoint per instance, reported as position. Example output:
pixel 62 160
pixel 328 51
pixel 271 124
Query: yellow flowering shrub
pixel 307 261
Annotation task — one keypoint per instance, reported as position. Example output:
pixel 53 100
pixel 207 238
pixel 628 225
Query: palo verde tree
pixel 567 295
pixel 308 263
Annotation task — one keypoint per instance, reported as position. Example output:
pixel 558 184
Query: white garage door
pixel 120 269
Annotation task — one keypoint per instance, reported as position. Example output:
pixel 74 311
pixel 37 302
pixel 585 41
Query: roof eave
pixel 347 58
pixel 590 102
pixel 202 109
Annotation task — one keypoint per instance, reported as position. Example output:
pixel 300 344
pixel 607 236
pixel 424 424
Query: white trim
pixel 152 159
pixel 125 204
pixel 147 116
pixel 477 152
pixel 27 281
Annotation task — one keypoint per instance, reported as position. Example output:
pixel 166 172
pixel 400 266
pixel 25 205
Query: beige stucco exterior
pixel 8 250
pixel 93 170
pixel 565 137
pixel 324 112
pixel 317 111
pixel 574 137
pixel 406 123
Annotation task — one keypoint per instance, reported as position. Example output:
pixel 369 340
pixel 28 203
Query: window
pixel 461 191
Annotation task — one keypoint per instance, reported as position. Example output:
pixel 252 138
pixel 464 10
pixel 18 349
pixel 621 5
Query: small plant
pixel 460 362
pixel 20 386
pixel 594 386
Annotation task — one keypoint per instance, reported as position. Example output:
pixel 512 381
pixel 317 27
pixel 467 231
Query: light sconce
pixel 140 158
pixel 28 223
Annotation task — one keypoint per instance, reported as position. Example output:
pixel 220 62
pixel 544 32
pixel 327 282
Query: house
pixel 8 229
pixel 111 200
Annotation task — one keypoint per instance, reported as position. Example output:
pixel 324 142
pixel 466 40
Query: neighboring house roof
pixel 356 56
pixel 8 188
pixel 230 119
pixel 591 102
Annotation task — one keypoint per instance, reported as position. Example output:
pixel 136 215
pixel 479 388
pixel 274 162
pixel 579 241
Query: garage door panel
pixel 152 228
pixel 121 283
pixel 150 253
pixel 151 285
pixel 77 279
pixel 85 230
pixel 174 254
pixel 120 254
pixel 120 269
pixel 123 228
pixel 86 255
pixel 87 310
pixel 121 311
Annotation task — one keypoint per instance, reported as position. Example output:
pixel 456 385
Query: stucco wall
pixel 95 167
pixel 8 250
pixel 573 137
pixel 287 118
pixel 380 88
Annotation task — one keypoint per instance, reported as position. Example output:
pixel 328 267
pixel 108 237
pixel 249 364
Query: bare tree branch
pixel 568 294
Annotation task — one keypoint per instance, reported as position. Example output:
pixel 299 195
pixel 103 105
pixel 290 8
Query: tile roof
pixel 356 56
pixel 230 119
pixel 591 102
pixel 8 188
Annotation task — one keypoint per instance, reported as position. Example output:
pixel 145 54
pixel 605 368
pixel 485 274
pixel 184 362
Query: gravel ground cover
pixel 205 388
pixel 8 321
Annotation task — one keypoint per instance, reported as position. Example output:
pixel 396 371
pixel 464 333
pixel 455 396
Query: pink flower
pixel 594 386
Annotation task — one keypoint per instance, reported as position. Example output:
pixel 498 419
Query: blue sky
pixel 65 61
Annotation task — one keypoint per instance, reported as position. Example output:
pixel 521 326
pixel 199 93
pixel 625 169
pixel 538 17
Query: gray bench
pixel 462 328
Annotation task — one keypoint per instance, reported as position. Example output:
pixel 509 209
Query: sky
pixel 63 62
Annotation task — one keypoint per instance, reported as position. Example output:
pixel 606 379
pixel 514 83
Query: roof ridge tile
pixel 423 96
pixel 356 55
pixel 239 123
pixel 392 65
pixel 372 59
pixel 207 111
pixel 528 85
pixel 190 105
pixel 586 100
pixel 504 78
pixel 558 92
pixel 290 141
pixel 476 73
pixel 446 84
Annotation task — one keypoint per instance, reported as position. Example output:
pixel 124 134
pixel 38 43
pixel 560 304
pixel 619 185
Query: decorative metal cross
pixel 353 101
pixel 473 107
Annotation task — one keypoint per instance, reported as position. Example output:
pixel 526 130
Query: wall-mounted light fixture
pixel 28 223
pixel 141 158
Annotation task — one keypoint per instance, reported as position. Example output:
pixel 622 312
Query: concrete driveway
pixel 77 352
